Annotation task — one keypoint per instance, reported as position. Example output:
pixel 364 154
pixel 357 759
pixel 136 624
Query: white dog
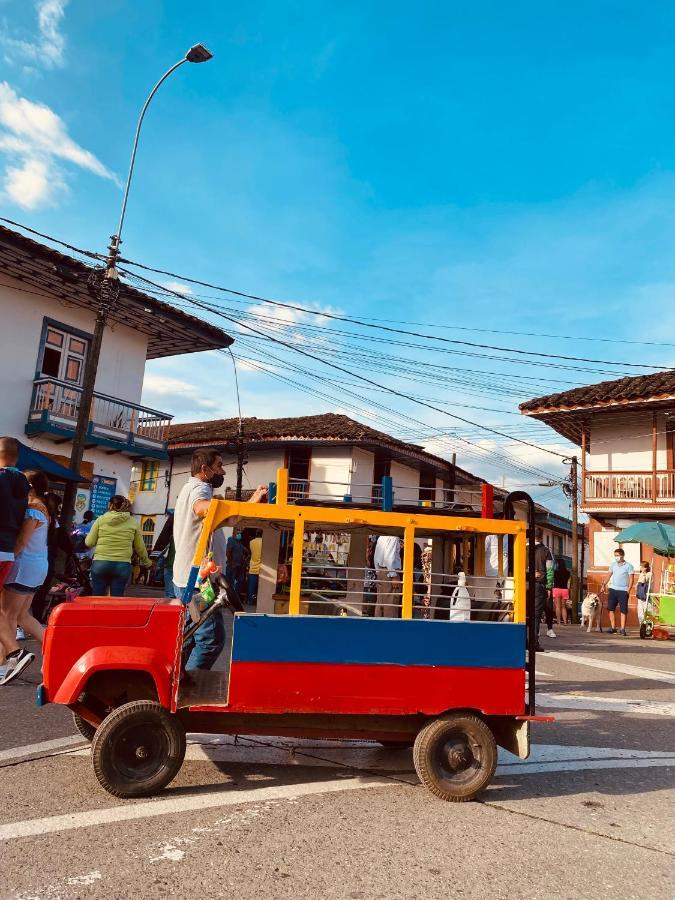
pixel 590 611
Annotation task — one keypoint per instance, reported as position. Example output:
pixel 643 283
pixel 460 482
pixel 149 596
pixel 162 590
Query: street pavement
pixel 589 815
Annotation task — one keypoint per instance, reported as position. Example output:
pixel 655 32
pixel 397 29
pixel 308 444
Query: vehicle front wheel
pixel 455 756
pixel 138 749
pixel 86 729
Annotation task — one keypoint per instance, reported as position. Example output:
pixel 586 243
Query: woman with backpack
pixel 115 535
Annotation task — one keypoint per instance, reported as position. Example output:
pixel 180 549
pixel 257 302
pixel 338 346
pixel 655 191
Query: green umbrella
pixel 655 534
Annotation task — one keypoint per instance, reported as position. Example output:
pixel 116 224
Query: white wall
pixel 121 367
pixel 406 483
pixel 623 442
pixel 330 472
pixel 120 372
pixel 363 463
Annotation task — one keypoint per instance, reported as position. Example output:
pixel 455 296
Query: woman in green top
pixel 115 535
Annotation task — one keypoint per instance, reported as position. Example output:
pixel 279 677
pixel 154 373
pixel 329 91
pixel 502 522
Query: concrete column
pixel 268 570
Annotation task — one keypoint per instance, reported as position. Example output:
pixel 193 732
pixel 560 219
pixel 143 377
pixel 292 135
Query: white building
pixel 626 432
pixel 48 320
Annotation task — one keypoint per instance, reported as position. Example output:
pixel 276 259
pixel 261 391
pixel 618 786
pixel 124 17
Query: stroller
pixel 65 587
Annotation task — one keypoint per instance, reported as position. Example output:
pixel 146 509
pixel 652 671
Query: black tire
pixel 138 749
pixel 455 756
pixel 643 631
pixel 86 729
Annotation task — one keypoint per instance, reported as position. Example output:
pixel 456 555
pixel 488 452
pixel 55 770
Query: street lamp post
pixel 105 288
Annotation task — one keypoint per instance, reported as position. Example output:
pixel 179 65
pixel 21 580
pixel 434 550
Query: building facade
pixel 48 314
pixel 625 430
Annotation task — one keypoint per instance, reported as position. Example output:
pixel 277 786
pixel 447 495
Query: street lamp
pixel 105 288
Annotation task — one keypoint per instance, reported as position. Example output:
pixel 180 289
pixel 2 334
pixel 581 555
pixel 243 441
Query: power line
pixel 365 324
pixel 375 383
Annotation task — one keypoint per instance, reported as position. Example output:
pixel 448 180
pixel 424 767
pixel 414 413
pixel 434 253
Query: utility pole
pixel 574 576
pixel 105 287
pixel 241 459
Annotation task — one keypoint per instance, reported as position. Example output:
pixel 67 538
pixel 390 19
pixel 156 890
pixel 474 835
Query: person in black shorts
pixel 619 584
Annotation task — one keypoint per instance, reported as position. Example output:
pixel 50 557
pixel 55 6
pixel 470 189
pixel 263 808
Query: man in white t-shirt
pixel 387 561
pixel 192 505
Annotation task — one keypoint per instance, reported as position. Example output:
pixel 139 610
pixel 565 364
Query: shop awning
pixel 31 459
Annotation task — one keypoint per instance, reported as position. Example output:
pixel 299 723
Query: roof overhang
pixel 570 421
pixel 40 269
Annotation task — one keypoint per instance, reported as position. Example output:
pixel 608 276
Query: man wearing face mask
pixel 620 581
pixel 192 504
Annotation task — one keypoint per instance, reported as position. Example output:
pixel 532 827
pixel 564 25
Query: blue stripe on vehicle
pixel 190 586
pixel 405 642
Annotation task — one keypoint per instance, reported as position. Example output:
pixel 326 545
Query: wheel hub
pixel 142 752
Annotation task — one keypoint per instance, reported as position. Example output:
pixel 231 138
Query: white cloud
pixel 30 183
pixel 178 287
pixel 47 47
pixel 35 140
pixel 178 397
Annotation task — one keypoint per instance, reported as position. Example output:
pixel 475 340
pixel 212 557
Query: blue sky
pixel 478 165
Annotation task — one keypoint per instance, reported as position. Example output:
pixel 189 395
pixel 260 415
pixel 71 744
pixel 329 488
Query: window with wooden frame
pixel 148 531
pixel 149 476
pixel 62 354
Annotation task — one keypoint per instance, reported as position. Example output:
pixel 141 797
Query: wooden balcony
pixel 113 424
pixel 629 490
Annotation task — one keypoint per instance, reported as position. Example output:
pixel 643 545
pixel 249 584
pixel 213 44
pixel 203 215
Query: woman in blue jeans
pixel 115 536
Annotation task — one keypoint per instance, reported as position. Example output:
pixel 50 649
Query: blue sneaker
pixel 611 631
pixel 623 632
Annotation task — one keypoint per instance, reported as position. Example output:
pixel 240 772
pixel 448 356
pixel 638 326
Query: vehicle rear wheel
pixel 138 749
pixel 86 729
pixel 455 756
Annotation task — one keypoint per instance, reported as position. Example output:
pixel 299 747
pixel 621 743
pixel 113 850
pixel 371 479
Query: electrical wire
pixel 364 323
pixel 376 384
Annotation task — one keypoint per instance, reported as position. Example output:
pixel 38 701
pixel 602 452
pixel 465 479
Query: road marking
pixel 270 751
pixel 32 749
pixel 560 758
pixel 172 805
pixel 605 704
pixel 638 671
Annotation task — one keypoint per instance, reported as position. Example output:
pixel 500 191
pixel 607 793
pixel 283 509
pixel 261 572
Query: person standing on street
pixel 543 563
pixel 561 590
pixel 236 557
pixel 255 561
pixel 620 582
pixel 642 589
pixel 192 505
pixel 388 568
pixel 14 490
pixel 116 535
pixel 27 573
pixel 165 545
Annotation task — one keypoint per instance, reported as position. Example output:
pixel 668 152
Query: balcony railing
pixel 115 423
pixel 629 488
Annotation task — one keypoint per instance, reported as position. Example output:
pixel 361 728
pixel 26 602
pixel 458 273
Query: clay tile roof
pixel 660 386
pixel 330 428
pixel 39 269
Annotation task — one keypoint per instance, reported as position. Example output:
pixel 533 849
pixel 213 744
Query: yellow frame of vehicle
pixel 298 516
